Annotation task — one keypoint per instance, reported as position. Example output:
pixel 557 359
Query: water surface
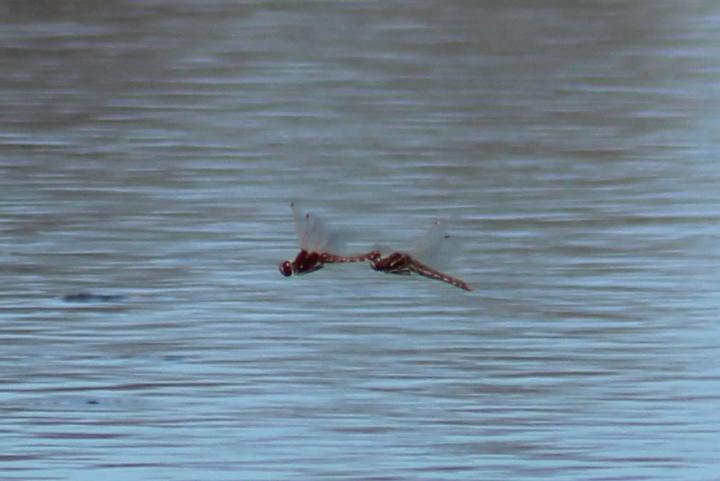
pixel 149 150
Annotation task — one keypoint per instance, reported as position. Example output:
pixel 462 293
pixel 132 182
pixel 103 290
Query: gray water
pixel 150 149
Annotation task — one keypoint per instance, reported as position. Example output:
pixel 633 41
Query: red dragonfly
pixel 435 248
pixel 318 246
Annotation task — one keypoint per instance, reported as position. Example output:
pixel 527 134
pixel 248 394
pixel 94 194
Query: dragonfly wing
pixel 300 221
pixel 383 249
pixel 313 234
pixel 436 248
pixel 306 227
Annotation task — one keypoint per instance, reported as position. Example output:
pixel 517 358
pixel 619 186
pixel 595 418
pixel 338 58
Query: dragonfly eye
pixel 286 269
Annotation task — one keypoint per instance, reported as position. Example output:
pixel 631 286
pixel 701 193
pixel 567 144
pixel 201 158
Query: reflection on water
pixel 148 154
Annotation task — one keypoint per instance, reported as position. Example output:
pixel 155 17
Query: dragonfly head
pixel 286 268
pixel 374 255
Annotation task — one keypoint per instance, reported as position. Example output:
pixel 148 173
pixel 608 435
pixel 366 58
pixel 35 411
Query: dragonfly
pixel 433 249
pixel 318 246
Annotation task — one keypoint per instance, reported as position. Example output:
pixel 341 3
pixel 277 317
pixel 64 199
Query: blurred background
pixel 150 149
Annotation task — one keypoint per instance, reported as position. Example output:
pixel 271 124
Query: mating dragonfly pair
pixel 319 246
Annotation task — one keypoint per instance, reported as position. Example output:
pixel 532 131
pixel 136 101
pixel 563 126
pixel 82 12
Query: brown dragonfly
pixel 318 245
pixel 433 249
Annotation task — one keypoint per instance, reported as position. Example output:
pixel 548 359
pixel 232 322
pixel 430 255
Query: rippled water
pixel 149 150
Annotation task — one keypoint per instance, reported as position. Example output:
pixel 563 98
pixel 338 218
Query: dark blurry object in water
pixel 90 297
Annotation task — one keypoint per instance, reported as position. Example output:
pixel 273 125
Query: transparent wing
pixel 384 249
pixel 334 242
pixel 313 234
pixel 309 228
pixel 436 248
